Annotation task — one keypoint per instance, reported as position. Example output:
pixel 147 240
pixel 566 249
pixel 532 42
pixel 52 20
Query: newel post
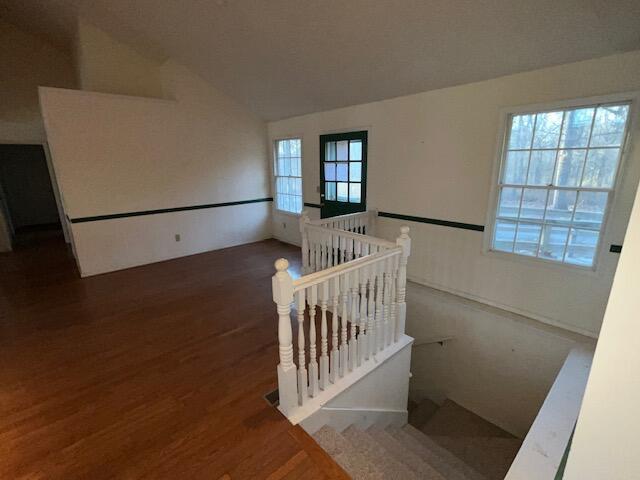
pixel 372 220
pixel 304 219
pixel 403 241
pixel 282 286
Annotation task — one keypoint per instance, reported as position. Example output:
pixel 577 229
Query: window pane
pixel 600 169
pixel 355 150
pixel 343 194
pixel 342 172
pixel 509 204
pixel 541 168
pixel 527 239
pixel 521 131
pixel 330 171
pixel 515 171
pixel 283 148
pixel 560 205
pixel 294 147
pixel 354 192
pixel 330 190
pixel 505 233
pixel 582 247
pixel 569 168
pixel 298 185
pixel 608 127
pixel 590 209
pixel 575 131
pixel 355 171
pixel 296 169
pixel 547 132
pixel 553 242
pixel 298 204
pixel 533 203
pixel 330 151
pixel 341 150
pixel 285 202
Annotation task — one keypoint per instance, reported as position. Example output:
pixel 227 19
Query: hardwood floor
pixel 153 372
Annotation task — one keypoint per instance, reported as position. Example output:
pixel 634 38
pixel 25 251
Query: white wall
pixel 117 154
pixel 106 65
pixel 432 155
pixel 605 443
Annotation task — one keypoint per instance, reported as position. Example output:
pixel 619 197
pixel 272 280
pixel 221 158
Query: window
pixel 557 178
pixel 288 173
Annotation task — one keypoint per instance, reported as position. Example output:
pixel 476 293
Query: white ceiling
pixel 288 57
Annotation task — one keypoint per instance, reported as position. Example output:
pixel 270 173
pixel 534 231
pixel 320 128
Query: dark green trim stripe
pixel 433 221
pixel 112 216
pixel 314 205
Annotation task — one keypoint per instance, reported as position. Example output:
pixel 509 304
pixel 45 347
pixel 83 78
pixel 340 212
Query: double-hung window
pixel 557 176
pixel 288 175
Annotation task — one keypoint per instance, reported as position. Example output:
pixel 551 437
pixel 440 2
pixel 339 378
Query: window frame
pixel 505 115
pixel 274 175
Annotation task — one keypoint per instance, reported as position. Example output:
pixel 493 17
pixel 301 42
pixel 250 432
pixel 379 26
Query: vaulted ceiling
pixel 289 57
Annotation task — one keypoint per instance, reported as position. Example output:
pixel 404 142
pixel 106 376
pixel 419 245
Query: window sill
pixel 286 213
pixel 537 262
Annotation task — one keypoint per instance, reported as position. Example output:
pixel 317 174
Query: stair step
pixel 453 420
pixel 491 456
pixel 421 413
pixel 378 455
pixel 407 457
pixel 346 455
pixel 445 462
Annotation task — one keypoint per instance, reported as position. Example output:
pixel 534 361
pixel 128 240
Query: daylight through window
pixel 557 176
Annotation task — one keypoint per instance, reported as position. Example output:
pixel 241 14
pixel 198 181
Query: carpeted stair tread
pixel 346 455
pixel 407 457
pixel 367 446
pixel 445 462
pixel 452 420
pixel 491 456
pixel 421 413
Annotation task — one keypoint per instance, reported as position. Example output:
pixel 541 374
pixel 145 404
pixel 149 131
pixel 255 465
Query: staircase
pixel 448 442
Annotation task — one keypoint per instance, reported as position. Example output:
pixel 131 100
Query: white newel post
pixel 282 286
pixel 304 219
pixel 403 241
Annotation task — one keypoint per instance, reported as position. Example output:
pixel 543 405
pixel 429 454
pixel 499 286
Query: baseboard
pixel 341 418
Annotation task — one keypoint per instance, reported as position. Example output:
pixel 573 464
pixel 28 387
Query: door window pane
pixel 343 192
pixel 330 172
pixel 330 190
pixel 355 150
pixel 355 171
pixel 354 193
pixel 342 172
pixel 342 153
pixel 330 151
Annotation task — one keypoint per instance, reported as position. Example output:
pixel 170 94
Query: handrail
pixel 322 221
pixel 354 236
pixel 328 273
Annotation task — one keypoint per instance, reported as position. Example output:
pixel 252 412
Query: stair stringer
pixel 379 398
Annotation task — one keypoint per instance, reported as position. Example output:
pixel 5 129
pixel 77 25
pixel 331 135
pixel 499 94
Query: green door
pixel 343 173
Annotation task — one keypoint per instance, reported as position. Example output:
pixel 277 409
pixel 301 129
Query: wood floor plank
pixel 152 372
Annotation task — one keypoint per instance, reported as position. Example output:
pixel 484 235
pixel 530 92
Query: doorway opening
pixel 27 200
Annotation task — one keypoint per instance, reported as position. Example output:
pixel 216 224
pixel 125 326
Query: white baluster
pixel 282 286
pixel 386 299
pixel 344 347
pixel 393 319
pixel 324 358
pixel 371 312
pixel 353 317
pixel 403 241
pixel 312 299
pixel 334 367
pixel 302 369
pixel 379 310
pixel 304 220
pixel 349 249
pixel 362 315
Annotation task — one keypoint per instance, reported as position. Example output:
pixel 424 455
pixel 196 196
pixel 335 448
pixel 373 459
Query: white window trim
pixel 633 98
pixel 274 156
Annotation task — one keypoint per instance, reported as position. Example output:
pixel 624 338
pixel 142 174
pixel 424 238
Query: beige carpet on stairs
pixel 451 443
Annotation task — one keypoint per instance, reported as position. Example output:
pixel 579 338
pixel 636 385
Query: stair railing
pixel 332 241
pixel 359 304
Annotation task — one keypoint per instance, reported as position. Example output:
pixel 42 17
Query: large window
pixel 557 177
pixel 288 173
